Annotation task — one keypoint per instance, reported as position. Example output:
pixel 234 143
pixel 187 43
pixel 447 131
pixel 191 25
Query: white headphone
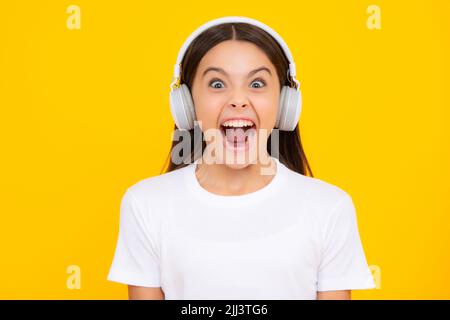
pixel 182 106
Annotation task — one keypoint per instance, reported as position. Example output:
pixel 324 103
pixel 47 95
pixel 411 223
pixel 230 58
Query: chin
pixel 239 161
pixel 237 166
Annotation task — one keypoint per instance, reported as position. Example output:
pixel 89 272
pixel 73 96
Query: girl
pixel 213 227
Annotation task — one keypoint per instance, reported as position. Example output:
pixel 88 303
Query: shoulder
pixel 319 197
pixel 314 189
pixel 157 189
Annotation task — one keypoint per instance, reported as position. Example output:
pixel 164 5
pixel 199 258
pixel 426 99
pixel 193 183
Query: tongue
pixel 237 135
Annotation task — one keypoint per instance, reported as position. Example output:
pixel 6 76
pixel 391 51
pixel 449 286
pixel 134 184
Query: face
pixel 236 93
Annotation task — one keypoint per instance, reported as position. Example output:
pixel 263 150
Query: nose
pixel 239 100
pixel 239 104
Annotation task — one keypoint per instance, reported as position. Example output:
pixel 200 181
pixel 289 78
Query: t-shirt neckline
pixel 217 200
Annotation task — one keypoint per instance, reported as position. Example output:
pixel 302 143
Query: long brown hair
pixel 291 152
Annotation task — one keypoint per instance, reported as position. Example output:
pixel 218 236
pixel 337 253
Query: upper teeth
pixel 238 123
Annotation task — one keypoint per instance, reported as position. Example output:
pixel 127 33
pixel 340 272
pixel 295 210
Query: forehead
pixel 235 57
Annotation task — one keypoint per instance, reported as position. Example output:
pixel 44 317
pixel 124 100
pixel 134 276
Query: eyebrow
pixel 249 74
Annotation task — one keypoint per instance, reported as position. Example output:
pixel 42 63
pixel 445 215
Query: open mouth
pixel 236 132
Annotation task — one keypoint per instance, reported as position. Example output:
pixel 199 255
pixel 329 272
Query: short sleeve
pixel 136 259
pixel 343 264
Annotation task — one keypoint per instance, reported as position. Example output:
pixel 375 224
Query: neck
pixel 224 180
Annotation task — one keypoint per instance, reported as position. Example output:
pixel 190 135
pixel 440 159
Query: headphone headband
pixel 237 19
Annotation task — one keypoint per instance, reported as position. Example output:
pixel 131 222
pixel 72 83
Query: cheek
pixel 207 109
pixel 267 109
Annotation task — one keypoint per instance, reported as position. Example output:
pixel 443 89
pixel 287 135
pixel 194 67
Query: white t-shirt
pixel 295 236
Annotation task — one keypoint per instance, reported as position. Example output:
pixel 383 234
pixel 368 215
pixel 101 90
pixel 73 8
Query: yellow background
pixel 85 114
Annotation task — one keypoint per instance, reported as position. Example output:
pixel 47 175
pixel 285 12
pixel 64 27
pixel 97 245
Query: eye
pixel 215 81
pixel 260 81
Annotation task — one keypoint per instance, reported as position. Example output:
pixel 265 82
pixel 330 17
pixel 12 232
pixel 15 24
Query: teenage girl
pixel 213 227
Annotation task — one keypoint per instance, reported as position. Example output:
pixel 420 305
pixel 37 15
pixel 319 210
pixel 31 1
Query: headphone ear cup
pixel 182 107
pixel 281 107
pixel 188 105
pixel 290 109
